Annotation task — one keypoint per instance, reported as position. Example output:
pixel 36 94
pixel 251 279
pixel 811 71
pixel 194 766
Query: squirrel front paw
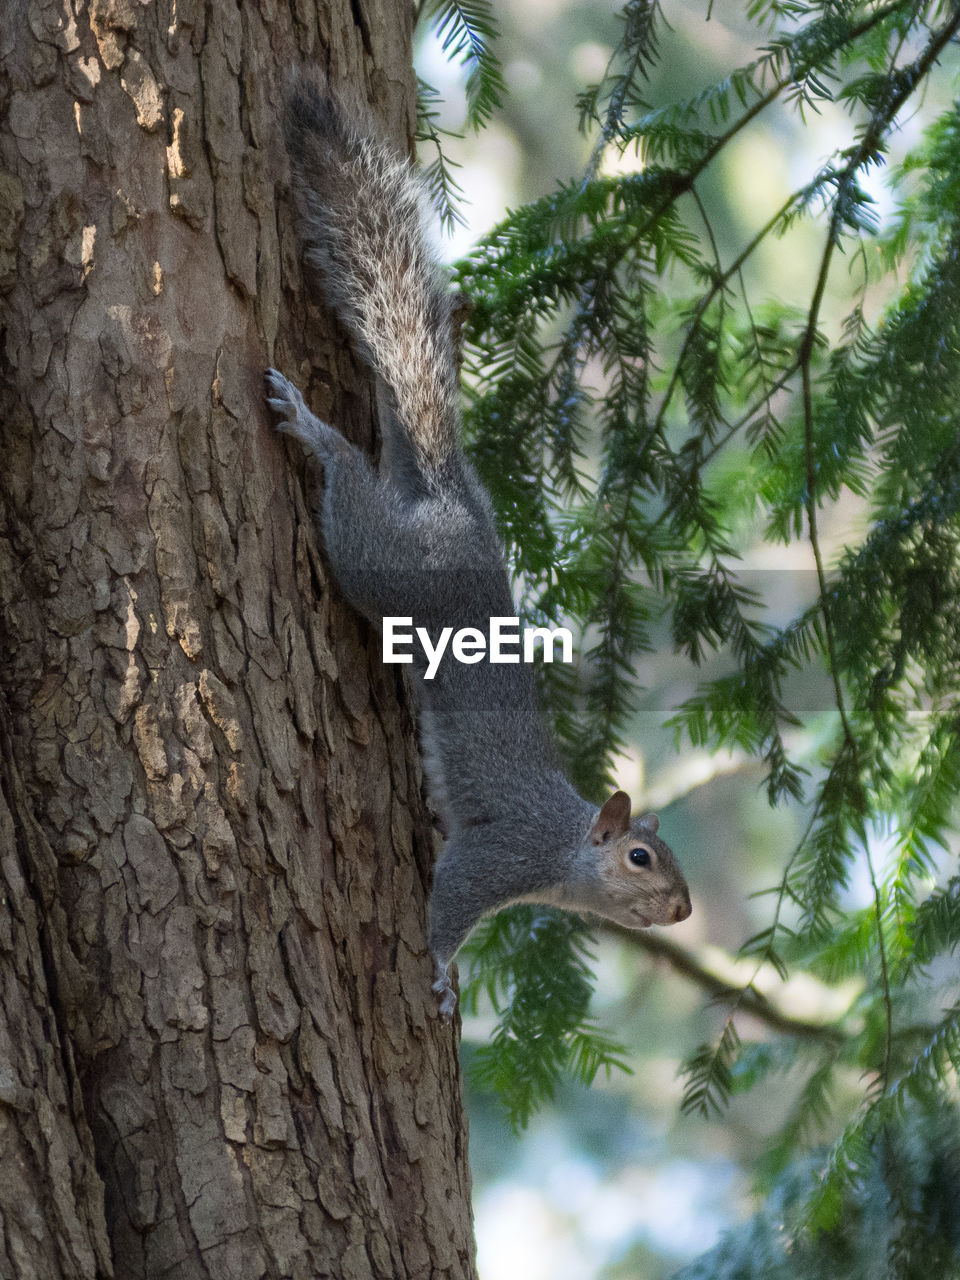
pixel 284 399
pixel 448 997
pixel 295 419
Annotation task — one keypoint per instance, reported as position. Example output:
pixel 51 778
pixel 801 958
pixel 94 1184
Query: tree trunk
pixel 219 1055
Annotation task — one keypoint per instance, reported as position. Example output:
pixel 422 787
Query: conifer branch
pixel 873 135
pixel 746 998
pixel 721 280
pixel 611 273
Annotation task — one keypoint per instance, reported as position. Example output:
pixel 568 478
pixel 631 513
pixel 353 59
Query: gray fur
pixel 420 541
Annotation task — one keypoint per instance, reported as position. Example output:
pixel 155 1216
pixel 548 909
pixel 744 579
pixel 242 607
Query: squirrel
pixel 417 537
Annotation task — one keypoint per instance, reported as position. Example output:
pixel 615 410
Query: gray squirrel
pixel 417 539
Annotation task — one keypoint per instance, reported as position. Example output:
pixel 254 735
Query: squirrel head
pixel 636 880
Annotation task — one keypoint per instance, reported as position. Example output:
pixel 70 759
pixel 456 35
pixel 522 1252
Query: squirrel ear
pixel 650 821
pixel 613 819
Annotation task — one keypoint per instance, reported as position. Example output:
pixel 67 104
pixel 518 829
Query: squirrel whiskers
pixel 418 540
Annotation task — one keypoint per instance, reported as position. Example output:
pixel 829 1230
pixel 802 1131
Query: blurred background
pixel 612 1182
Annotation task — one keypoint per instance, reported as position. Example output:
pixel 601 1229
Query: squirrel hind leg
pixel 399 457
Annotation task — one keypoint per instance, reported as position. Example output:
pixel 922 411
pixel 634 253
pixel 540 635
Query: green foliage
pixel 709 1073
pixel 467 31
pixel 444 190
pixel 534 967
pixel 633 411
pixel 901 1219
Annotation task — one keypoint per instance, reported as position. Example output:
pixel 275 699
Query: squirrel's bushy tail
pixel 361 213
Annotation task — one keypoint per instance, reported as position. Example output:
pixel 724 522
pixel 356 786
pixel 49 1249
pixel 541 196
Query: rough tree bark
pixel 219 1055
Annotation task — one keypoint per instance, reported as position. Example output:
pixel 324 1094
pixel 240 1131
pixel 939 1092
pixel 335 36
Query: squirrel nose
pixel 682 909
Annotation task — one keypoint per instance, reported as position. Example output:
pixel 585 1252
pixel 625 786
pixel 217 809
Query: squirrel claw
pixel 282 396
pixel 448 997
pixel 293 418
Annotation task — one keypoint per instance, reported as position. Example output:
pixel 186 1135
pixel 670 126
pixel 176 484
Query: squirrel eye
pixel 639 857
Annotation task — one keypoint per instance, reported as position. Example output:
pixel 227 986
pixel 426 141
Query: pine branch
pixel 881 121
pixel 467 30
pixel 747 999
pixel 593 282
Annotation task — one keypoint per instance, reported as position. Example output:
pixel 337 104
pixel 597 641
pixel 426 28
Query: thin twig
pixel 720 282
